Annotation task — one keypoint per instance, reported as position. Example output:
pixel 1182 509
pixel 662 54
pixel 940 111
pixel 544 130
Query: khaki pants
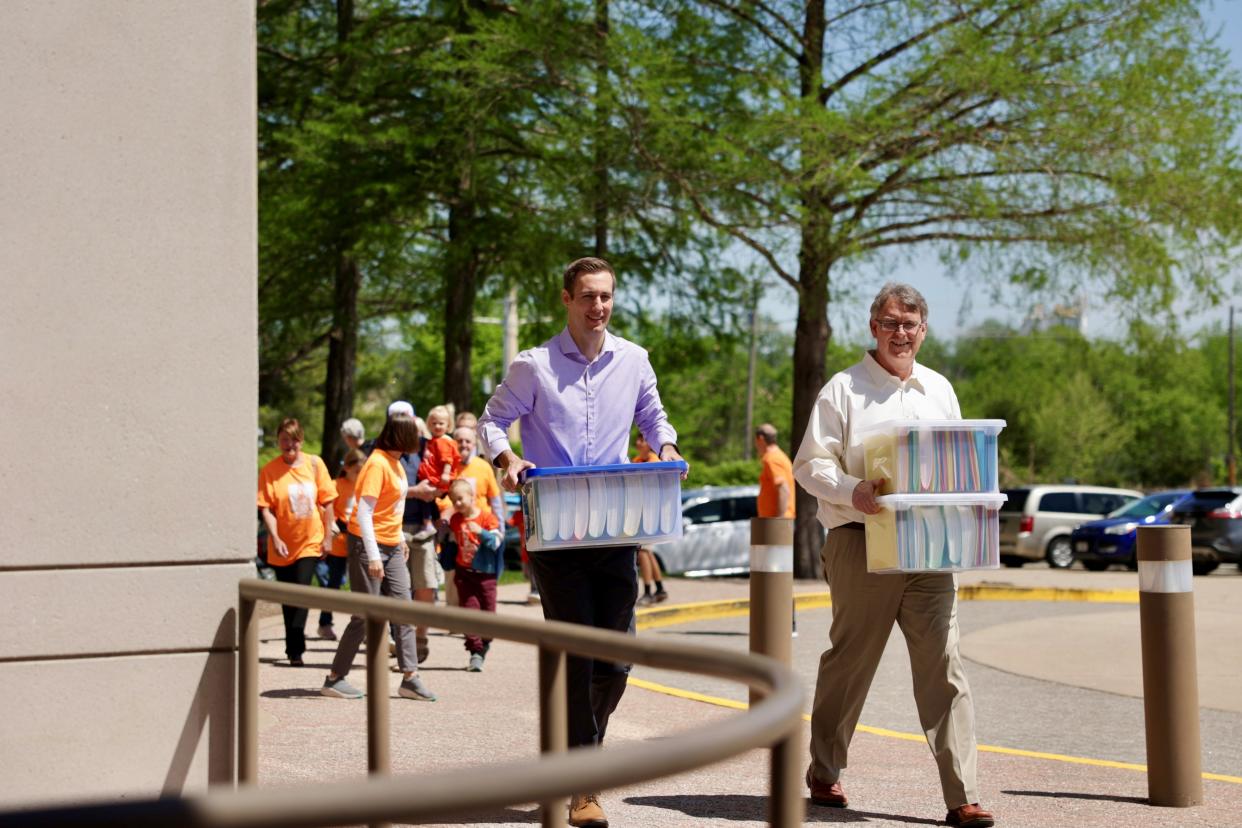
pixel 864 608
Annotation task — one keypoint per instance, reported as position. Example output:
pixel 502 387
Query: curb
pixel 655 617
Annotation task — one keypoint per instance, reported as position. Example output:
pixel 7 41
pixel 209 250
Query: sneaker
pixel 296 662
pixel 476 663
pixel 340 689
pixel 533 599
pixel 326 632
pixel 646 600
pixel 585 811
pixel 413 688
pixel 661 597
pixel 423 647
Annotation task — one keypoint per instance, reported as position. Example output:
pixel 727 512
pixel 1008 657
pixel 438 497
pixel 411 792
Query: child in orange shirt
pixel 441 459
pixel 480 556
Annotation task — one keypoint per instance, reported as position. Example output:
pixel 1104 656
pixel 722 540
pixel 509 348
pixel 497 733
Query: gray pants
pixel 394 584
pixel 864 609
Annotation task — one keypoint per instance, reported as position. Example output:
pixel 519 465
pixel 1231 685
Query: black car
pixel 1215 520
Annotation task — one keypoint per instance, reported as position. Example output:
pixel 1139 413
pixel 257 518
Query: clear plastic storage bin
pixel 935 533
pixel 618 505
pixel 924 456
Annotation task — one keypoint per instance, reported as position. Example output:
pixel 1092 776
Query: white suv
pixel 1036 521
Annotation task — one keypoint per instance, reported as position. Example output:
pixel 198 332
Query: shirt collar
pixel 881 376
pixel 570 348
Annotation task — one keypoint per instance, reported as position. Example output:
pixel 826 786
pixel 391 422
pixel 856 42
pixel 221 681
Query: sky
pixel 958 305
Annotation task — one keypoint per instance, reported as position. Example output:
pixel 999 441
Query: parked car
pixel 1036 521
pixel 715 532
pixel 1215 520
pixel 1110 540
pixel 513 539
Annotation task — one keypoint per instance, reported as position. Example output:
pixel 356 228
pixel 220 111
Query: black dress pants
pixel 298 572
pixel 596 586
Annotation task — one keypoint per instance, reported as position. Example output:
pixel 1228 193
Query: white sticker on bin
pixel 771 558
pixel 1165 576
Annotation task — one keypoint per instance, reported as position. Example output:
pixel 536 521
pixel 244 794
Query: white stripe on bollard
pixel 1165 576
pixel 771 558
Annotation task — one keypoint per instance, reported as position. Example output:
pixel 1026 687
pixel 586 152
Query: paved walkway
pixel 1056 694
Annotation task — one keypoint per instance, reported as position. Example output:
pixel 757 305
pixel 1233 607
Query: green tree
pixel 1060 141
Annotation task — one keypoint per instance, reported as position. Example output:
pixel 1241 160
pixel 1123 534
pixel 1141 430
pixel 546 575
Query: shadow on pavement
pixel 726 633
pixel 292 693
pixel 1137 800
pixel 744 808
pixel 503 816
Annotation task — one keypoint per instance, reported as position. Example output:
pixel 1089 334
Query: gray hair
pixel 906 296
pixel 768 432
pixel 353 428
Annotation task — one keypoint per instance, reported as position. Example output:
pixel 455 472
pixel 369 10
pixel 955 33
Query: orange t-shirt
pixel 486 520
pixel 651 457
pixel 344 509
pixel 485 486
pixel 383 478
pixel 294 495
pixel 440 452
pixel 776 466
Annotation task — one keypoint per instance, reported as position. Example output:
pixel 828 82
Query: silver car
pixel 715 532
pixel 1036 521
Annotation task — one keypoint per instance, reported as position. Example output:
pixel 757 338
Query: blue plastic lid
pixel 551 471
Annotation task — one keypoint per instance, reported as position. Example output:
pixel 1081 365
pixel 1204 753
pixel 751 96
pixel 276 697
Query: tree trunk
pixel 338 386
pixel 338 390
pixel 461 280
pixel 812 334
pixel 600 196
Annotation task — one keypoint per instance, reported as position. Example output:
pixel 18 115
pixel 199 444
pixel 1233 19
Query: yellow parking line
pixel 690 695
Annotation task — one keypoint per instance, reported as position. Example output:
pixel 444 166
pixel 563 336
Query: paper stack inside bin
pixel 940 497
pixel 614 505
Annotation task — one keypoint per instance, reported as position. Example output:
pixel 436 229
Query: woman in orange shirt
pixel 295 498
pixel 333 565
pixel 377 556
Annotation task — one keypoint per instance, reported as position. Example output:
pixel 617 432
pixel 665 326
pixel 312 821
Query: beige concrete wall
pixel 127 391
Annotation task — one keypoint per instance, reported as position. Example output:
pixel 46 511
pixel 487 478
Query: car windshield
pixel 1146 507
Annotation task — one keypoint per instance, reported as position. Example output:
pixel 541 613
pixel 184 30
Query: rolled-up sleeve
pixel 649 410
pixel 820 463
pixel 514 397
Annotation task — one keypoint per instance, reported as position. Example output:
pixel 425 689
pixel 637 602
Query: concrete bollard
pixel 1170 680
pixel 771 589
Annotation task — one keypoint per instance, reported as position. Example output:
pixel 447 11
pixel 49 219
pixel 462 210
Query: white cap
pixel 401 407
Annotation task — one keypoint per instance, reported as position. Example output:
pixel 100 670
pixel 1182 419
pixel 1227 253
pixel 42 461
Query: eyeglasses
pixel 892 325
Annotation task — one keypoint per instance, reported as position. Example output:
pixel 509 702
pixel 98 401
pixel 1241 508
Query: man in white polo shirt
pixel 887 384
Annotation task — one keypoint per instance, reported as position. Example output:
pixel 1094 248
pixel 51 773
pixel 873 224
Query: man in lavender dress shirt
pixel 577 396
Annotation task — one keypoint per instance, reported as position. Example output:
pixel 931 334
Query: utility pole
pixel 1231 460
pixel 749 441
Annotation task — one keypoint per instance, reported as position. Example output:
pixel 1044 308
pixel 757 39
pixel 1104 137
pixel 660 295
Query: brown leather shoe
pixel 970 816
pixel 822 793
pixel 585 812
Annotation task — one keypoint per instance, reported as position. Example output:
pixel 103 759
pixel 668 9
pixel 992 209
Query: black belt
pixel 854 525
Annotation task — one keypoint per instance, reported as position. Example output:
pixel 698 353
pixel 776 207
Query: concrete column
pixel 128 395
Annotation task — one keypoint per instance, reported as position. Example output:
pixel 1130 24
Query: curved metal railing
pixel 774 722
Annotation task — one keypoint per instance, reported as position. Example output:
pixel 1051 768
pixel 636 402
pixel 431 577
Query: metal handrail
pixel 774 722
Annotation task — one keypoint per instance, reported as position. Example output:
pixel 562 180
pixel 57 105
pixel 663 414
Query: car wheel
pixel 1204 567
pixel 1060 553
pixel 1096 566
pixel 1016 563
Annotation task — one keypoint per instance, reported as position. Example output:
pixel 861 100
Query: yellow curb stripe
pixel 717 701
pixel 655 617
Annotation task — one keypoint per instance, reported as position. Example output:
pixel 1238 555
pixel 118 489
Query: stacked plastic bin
pixel 628 504
pixel 941 500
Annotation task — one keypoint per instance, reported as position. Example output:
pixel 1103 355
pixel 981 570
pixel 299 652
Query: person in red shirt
pixel 480 545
